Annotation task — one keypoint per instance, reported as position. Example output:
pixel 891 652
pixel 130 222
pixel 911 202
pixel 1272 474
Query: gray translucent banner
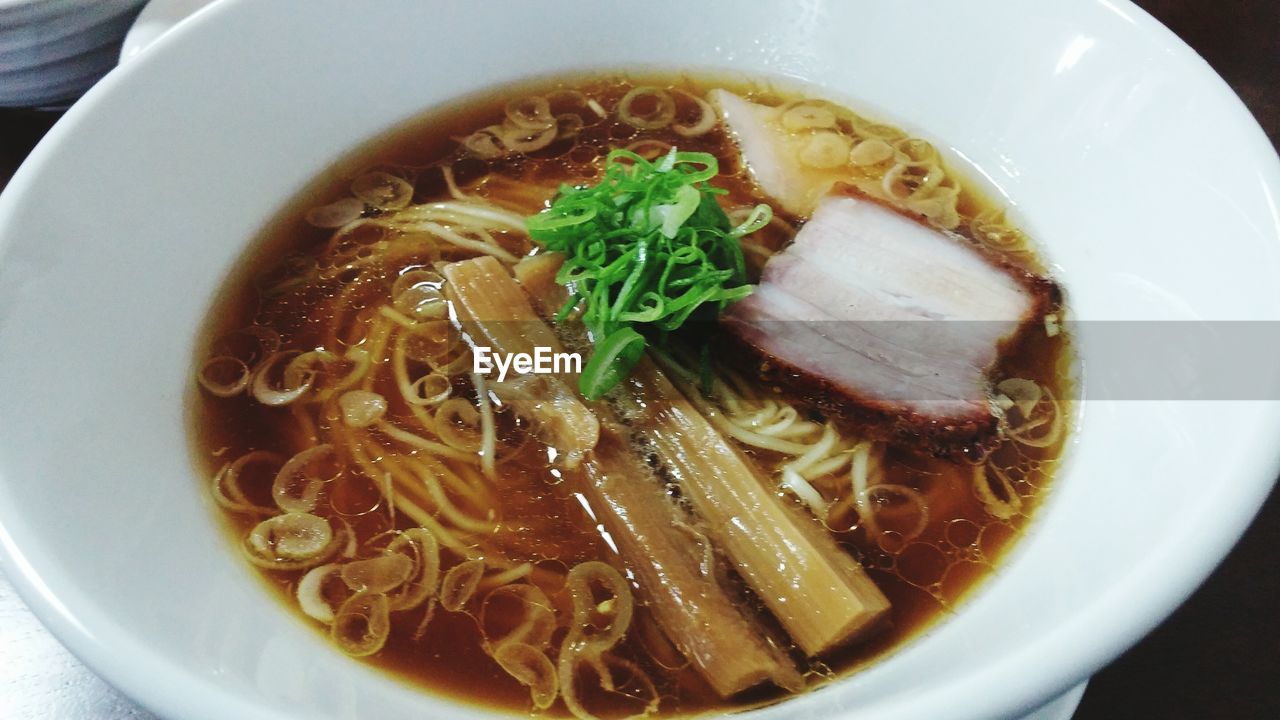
pixel 1178 360
pixel 923 360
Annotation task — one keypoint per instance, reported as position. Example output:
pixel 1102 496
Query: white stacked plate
pixel 51 51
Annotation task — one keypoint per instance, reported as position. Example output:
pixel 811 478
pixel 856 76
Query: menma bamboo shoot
pixel 821 595
pixel 655 539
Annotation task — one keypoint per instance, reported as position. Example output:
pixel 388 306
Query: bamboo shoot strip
pixel 817 590
pixel 494 309
pixel 821 595
pixel 700 617
pixel 678 576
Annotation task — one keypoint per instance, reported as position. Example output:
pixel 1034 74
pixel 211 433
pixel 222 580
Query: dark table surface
pixel 1217 657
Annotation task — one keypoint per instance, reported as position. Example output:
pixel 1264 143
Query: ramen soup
pixel 627 396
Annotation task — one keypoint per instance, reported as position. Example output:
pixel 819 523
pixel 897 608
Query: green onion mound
pixel 645 248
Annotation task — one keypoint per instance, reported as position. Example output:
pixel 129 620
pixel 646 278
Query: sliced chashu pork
pixel 872 312
pixel 888 321
pixel 773 154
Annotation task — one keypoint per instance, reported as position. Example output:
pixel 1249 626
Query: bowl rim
pixel 87 633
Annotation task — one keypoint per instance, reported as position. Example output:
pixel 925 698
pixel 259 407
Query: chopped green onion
pixel 611 362
pixel 646 249
pixel 760 216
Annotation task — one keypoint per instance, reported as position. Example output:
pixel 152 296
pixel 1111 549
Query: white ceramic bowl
pixel 156 19
pixel 1143 177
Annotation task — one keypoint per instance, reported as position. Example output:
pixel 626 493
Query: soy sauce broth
pixel 541 521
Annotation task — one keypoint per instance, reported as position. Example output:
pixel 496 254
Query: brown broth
pixel 542 522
